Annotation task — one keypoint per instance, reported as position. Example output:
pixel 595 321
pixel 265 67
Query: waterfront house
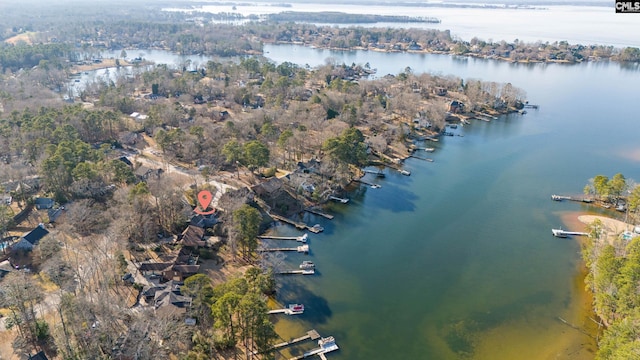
pixel 456 107
pixel 154 269
pixel 193 237
pixel 180 272
pixel 29 240
pixel 39 356
pixel 44 203
pixel 168 299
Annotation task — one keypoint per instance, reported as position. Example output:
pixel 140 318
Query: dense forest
pixel 614 269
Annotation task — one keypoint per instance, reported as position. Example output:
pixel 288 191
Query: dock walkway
pixel 563 234
pixel 326 345
pixel 300 249
pixel 297 272
pixel 421 158
pixel 319 213
pixel 301 238
pixel 342 200
pixel 311 335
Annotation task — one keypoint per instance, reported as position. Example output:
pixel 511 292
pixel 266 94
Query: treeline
pixel 22 55
pixel 344 18
pixel 614 270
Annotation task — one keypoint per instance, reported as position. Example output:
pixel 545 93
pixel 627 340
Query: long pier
pixel 379 174
pixel 484 116
pixel 319 213
pixel 341 200
pixel 326 345
pixel 563 234
pixel 297 272
pixel 373 186
pixel 555 197
pixel 300 249
pixel 421 158
pixel 290 310
pixel 301 238
pixel 311 335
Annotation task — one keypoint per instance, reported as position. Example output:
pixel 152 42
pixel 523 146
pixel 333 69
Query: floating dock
pixel 341 200
pixel 300 249
pixel 301 238
pixel 563 234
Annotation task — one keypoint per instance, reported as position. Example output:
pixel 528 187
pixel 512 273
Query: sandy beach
pixel 613 228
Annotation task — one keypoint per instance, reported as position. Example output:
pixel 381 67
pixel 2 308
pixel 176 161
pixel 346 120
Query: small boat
pixel 405 172
pixel 375 186
pixel 296 308
pixel 307 265
pixel 77 80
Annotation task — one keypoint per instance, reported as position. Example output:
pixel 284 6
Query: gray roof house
pixel 31 239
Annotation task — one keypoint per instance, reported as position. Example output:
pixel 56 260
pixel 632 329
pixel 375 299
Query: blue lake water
pixel 457 261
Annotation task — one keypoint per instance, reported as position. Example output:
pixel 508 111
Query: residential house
pixel 149 293
pixel 29 240
pixel 39 356
pixel 144 173
pixel 203 221
pixel 54 214
pixel 44 203
pixel 456 107
pixel 154 269
pixel 180 272
pixel 440 91
pixel 193 237
pixel 168 302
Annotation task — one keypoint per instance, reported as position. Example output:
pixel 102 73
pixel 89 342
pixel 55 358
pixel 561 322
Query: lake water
pixel 457 261
pixel 575 24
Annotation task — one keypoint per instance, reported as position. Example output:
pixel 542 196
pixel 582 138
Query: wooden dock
pixel 289 310
pixel 421 158
pixel 563 234
pixel 373 186
pixel 341 200
pixel 379 173
pixel 298 225
pixel 297 272
pixel 484 116
pixel 302 238
pixel 300 249
pixel 319 213
pixel 326 345
pixel 311 335
pixel 555 197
